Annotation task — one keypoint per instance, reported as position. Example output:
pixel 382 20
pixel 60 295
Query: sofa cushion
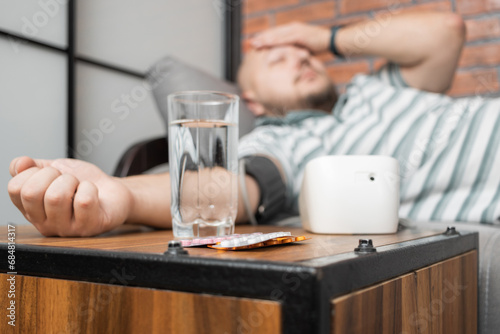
pixel 170 75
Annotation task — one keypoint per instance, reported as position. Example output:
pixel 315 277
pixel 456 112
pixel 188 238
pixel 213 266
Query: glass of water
pixel 203 142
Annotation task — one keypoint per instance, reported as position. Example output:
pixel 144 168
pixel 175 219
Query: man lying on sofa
pixel 447 148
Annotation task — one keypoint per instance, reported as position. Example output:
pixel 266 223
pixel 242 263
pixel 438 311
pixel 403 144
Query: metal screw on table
pixel 365 246
pixel 175 248
pixel 450 230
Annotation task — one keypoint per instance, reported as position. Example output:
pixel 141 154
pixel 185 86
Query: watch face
pixel 271 186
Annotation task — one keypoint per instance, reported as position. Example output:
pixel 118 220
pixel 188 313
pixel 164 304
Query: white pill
pixel 253 240
pixel 226 243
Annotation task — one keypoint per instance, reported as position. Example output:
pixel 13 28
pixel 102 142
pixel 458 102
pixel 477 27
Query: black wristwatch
pixel 333 46
pixel 272 188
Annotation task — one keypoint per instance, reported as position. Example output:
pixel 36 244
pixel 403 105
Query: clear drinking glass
pixel 203 142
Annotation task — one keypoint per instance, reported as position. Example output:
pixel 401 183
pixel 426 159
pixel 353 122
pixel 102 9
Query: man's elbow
pixel 448 49
pixel 455 27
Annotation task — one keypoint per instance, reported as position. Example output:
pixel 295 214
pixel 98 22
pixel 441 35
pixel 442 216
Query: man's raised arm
pixel 426 45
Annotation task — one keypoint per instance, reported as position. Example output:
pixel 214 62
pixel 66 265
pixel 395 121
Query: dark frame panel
pixel 232 56
pixel 70 140
pixel 70 68
pixel 17 37
pixel 232 32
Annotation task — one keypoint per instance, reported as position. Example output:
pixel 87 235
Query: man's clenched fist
pixel 67 197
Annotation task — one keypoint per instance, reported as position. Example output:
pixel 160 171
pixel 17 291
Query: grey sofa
pixel 169 75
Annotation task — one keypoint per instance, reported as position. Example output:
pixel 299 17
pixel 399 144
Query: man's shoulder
pixel 262 134
pixel 387 75
pixel 273 134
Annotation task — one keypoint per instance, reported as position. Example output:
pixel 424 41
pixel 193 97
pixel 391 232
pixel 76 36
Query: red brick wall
pixel 479 66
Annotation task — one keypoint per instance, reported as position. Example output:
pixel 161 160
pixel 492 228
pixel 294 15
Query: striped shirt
pixel 448 149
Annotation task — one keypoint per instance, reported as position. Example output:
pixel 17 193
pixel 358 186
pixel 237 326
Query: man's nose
pixel 301 57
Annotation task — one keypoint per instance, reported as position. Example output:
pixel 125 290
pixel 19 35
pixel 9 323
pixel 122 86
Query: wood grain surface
pixel 134 238
pixel 441 298
pixel 46 305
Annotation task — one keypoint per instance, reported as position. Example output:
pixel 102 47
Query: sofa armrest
pixel 142 156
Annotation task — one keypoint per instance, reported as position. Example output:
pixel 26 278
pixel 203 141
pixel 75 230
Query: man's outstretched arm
pixel 151 199
pixel 68 197
pixel 426 45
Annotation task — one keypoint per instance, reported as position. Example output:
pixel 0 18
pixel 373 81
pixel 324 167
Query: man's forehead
pixel 255 61
pixel 265 54
pixel 261 54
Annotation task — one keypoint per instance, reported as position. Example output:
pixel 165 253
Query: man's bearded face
pixel 288 78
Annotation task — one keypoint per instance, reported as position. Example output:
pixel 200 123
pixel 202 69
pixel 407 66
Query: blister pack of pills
pixel 205 241
pixel 243 241
pixel 263 240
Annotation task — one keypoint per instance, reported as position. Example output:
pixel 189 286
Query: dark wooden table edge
pixel 307 286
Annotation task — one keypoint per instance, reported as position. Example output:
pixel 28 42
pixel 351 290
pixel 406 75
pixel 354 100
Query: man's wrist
pixel 325 40
pixel 130 205
pixel 333 47
pixel 149 199
pixel 271 187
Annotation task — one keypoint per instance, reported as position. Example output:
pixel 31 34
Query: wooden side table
pixel 121 282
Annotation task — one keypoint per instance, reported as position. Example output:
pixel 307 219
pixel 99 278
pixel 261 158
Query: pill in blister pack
pixel 248 240
pixel 204 241
pixel 264 240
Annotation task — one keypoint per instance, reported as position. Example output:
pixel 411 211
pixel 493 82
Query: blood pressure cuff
pixel 272 189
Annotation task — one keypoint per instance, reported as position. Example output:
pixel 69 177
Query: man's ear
pixel 255 107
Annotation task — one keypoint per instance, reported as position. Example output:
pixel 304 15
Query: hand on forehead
pixel 314 38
